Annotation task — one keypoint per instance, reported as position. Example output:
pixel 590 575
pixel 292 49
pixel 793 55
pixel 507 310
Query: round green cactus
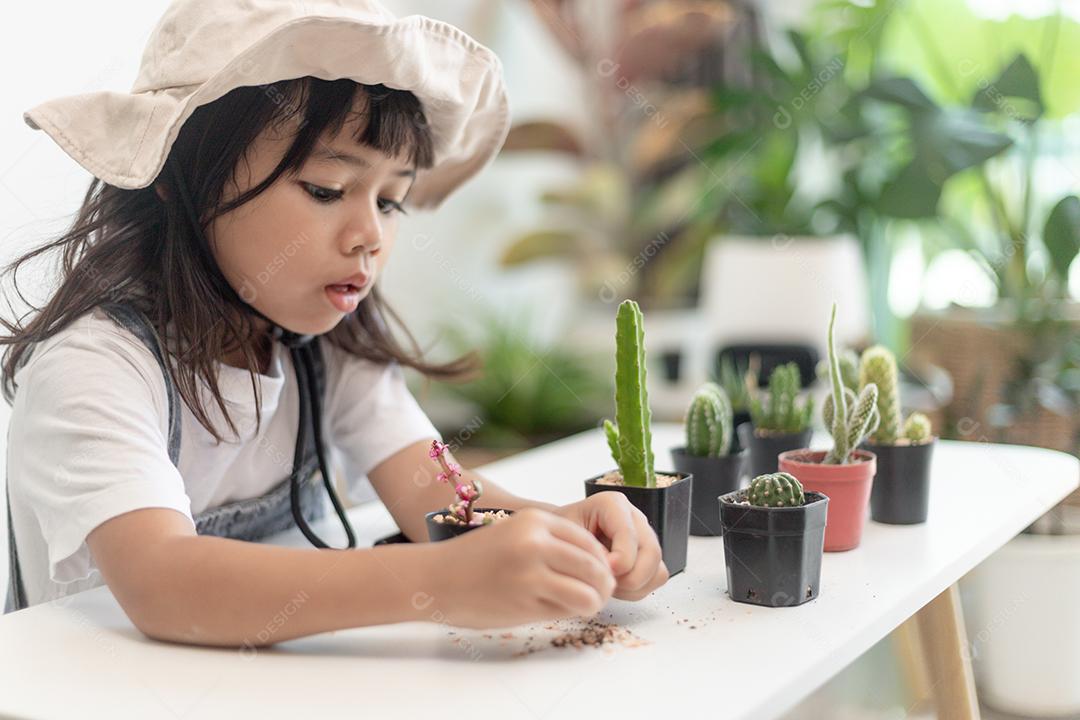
pixel 708 422
pixel 917 428
pixel 779 489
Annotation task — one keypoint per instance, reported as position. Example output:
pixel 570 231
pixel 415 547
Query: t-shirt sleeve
pixel 88 441
pixel 372 414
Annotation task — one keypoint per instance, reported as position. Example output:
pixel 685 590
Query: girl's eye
pixel 388 207
pixel 321 194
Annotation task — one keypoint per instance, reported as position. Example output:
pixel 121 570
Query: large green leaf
pixel 1062 235
pixel 955 140
pixel 913 194
pixel 1015 92
pixel 901 91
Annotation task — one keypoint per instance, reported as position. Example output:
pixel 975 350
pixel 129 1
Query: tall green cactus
pixel 849 369
pixel 848 418
pixel 708 422
pixel 776 490
pixel 630 439
pixel 780 411
pixel 878 366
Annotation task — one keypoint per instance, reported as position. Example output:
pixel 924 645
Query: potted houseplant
pixel 904 448
pixel 460 516
pixel 663 498
pixel 779 422
pixel 844 473
pixel 773 539
pixel 708 456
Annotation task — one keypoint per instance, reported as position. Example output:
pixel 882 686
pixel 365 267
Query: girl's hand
pixel 533 566
pixel 634 555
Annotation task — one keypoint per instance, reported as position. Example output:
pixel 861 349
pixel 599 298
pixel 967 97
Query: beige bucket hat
pixel 202 49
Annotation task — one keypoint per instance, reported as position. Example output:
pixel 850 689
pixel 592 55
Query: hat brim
pixel 125 138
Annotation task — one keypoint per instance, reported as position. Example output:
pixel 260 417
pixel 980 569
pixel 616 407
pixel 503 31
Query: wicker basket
pixel 980 350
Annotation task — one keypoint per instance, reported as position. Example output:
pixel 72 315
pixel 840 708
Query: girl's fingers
pixel 617 522
pixel 574 596
pixel 571 561
pixel 648 560
pixel 659 578
pixel 576 535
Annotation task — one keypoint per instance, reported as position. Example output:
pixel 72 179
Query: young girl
pixel 218 327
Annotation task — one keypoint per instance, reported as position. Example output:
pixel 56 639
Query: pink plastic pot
pixel 846 486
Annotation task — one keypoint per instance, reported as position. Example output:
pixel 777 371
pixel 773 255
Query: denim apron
pixel 251 519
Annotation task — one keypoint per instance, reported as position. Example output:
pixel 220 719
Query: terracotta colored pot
pixel 847 487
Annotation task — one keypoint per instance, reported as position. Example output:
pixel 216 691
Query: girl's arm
pixel 178 586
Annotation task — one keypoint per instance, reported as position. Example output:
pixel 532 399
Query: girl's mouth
pixel 345 297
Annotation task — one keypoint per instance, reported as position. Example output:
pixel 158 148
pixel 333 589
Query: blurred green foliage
pixel 526 393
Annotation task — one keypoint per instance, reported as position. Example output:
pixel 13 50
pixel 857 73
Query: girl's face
pixel 306 250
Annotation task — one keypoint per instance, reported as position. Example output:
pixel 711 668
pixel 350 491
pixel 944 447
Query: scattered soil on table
pixel 581 634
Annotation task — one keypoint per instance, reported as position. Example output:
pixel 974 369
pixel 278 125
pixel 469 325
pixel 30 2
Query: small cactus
pixel 780 410
pixel 708 422
pixel 849 418
pixel 733 379
pixel 878 366
pixel 630 437
pixel 775 490
pixel 917 428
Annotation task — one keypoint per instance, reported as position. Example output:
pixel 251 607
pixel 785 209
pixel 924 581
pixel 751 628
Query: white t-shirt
pixel 88 440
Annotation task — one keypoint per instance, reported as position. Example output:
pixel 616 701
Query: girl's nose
pixel 365 246
pixel 363 236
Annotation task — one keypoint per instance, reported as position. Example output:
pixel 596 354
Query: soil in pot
pixel 847 487
pixel 765 447
pixel 901 488
pixel 713 477
pixel 666 507
pixel 773 555
pixel 441 525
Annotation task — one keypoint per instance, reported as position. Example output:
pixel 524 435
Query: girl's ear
pixel 161 192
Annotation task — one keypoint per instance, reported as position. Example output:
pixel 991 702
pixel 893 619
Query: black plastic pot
pixel 773 555
pixel 666 508
pixel 901 491
pixel 713 477
pixel 445 531
pixel 764 449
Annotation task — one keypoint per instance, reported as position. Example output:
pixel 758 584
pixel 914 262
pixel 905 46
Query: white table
pixel 705 654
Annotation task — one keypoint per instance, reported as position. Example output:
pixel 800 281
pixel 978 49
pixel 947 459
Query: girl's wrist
pixel 420 572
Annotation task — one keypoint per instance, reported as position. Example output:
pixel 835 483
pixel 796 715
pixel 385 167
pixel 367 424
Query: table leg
pixel 909 653
pixel 945 652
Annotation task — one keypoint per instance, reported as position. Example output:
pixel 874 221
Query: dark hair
pixel 135 246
